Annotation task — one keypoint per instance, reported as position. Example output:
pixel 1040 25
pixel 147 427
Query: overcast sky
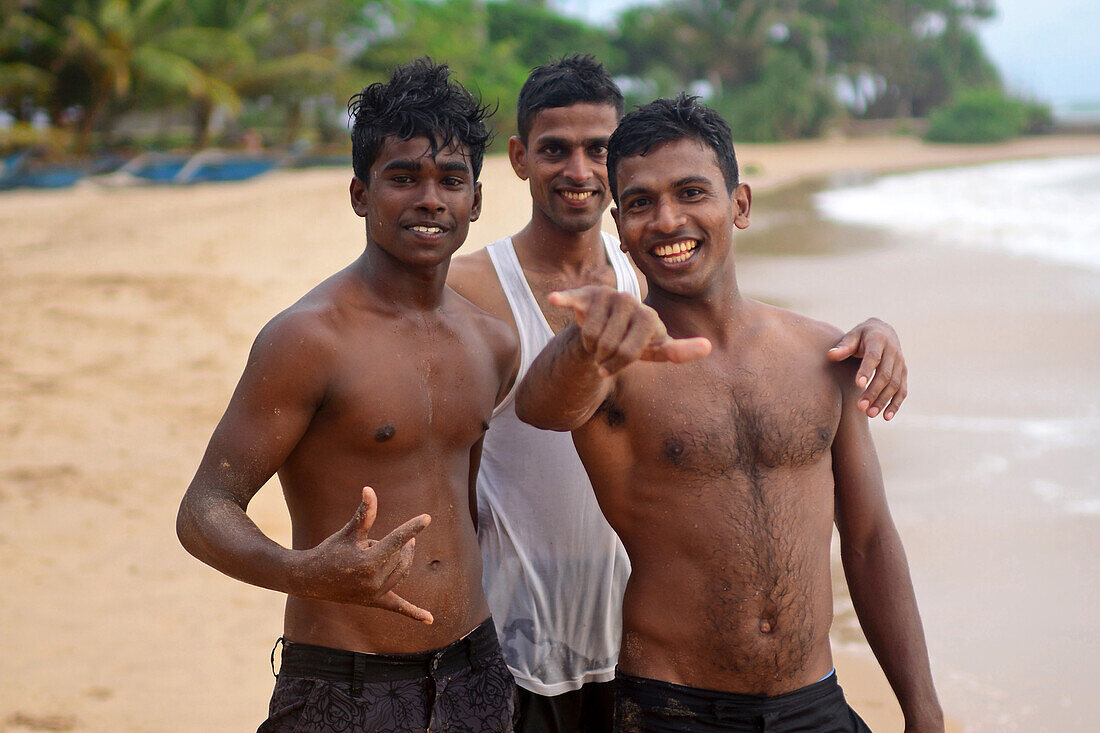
pixel 1048 49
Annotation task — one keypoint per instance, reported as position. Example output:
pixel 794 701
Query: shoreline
pixel 127 314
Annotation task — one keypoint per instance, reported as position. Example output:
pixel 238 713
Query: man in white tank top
pixel 554 571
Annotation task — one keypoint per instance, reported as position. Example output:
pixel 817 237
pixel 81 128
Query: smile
pixel 676 251
pixel 578 195
pixel 427 229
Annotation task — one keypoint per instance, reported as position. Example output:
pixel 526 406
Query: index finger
pixel 575 299
pixel 678 351
pixel 401 535
pixel 393 602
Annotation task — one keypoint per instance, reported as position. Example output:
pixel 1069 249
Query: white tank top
pixel 554 570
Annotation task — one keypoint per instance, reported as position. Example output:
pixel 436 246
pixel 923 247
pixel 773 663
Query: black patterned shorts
pixel 465 686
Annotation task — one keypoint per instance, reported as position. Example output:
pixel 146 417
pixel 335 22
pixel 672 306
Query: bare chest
pixel 720 423
pixel 400 392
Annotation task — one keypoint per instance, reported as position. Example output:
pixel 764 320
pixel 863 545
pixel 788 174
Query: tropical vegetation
pixel 103 73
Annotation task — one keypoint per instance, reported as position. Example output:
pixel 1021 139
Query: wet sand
pixel 126 316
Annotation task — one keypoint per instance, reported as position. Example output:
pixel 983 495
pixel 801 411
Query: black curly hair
pixel 667 120
pixel 419 99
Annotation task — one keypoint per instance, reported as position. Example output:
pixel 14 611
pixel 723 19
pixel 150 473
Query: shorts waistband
pixel 695 697
pixel 341 665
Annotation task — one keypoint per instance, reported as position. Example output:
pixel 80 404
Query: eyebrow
pixel 565 142
pixel 679 183
pixel 692 181
pixel 414 164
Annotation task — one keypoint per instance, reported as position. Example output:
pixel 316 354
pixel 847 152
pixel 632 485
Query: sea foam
pixel 1049 209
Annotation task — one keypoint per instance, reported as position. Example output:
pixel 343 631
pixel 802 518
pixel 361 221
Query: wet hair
pixel 569 80
pixel 668 120
pixel 419 99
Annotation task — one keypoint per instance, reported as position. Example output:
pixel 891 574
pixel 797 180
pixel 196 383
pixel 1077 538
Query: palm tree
pixel 264 47
pixel 106 53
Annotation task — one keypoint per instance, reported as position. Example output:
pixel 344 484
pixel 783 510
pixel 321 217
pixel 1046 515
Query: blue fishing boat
pixel 18 172
pixel 208 165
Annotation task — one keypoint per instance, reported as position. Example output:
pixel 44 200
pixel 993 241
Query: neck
pixel 398 285
pixel 544 246
pixel 716 313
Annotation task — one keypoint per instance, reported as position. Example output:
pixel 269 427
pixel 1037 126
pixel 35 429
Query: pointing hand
pixel 618 329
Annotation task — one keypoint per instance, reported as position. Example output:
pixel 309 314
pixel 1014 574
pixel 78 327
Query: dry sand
pixel 125 318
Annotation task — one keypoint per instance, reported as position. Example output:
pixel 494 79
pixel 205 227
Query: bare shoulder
pixel 303 339
pixel 474 278
pixel 496 333
pixel 806 337
pixel 491 334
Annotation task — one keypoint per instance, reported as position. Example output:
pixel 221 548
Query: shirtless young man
pixel 554 571
pixel 723 474
pixel 379 376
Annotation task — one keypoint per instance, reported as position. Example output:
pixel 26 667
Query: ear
pixel 475 210
pixel 358 191
pixel 517 155
pixel 742 202
pixel 618 228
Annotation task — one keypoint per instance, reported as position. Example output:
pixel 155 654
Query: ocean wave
pixel 1049 209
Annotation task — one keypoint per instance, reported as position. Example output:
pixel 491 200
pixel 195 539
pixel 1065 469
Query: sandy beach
pixel 126 315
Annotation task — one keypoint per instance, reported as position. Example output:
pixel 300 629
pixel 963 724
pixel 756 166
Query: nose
pixel 668 217
pixel 430 199
pixel 576 167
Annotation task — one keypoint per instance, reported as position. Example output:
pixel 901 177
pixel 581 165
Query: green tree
pixel 101 54
pixel 455 32
pixel 262 47
pixel 920 51
pixel 538 34
pixel 764 62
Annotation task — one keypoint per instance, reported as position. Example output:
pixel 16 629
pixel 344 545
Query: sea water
pixel 1048 209
pixel 1003 505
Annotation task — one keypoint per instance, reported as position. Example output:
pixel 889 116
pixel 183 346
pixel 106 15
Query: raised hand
pixel 618 329
pixel 877 344
pixel 350 567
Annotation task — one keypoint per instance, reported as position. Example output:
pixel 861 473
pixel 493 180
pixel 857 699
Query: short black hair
pixel 668 120
pixel 569 80
pixel 419 99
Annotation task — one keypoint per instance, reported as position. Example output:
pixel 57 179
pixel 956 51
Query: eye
pixel 454 181
pixel 598 151
pixel 693 192
pixel 637 202
pixel 401 178
pixel 553 151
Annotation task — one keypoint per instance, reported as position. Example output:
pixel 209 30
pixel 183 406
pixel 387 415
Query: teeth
pixel 575 196
pixel 427 230
pixel 677 251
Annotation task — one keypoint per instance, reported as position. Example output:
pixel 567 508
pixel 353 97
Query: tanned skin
pixel 565 162
pixel 381 376
pixel 723 474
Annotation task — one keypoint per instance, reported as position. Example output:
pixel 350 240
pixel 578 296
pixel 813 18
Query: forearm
pixel 882 594
pixel 218 531
pixel 564 386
